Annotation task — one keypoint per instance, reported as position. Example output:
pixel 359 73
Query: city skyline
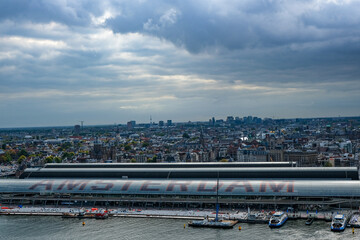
pixel 62 62
pixel 237 120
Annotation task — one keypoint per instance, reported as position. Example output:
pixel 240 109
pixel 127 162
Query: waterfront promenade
pixel 240 215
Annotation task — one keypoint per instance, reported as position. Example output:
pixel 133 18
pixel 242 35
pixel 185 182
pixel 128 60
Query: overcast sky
pixel 108 62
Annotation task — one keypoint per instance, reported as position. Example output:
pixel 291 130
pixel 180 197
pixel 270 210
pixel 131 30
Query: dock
pixel 256 217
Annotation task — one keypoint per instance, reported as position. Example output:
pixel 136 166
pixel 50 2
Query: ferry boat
pixel 338 223
pixel 278 219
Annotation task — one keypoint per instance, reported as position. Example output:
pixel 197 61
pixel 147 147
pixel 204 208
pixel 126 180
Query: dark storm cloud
pixel 314 40
pixel 205 25
pixel 243 24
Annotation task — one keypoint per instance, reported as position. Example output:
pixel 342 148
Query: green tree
pixel 71 155
pixel 12 153
pixel 49 159
pixel 185 135
pixel 328 164
pixel 133 160
pixel 3 158
pixel 23 152
pixel 224 160
pixel 127 147
pixel 64 155
pixel 8 158
pixel 151 160
pixel 66 145
pixel 57 160
pixel 21 159
pixel 68 155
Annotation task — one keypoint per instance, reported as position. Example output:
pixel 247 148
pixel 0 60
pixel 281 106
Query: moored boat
pixel 212 223
pixel 79 215
pixel 355 220
pixel 338 223
pixel 69 215
pixel 309 221
pixel 278 219
pixel 257 218
pixel 103 215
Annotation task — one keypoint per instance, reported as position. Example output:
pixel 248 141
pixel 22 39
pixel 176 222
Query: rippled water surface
pixel 40 227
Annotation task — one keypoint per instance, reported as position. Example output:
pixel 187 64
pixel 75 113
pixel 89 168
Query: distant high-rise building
pixel 169 123
pixel 131 124
pixel 328 128
pixel 161 123
pixel 230 119
pixel 256 120
pixel 77 130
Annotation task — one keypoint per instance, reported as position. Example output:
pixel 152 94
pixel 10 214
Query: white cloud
pixel 30 43
pixel 169 17
pixel 99 21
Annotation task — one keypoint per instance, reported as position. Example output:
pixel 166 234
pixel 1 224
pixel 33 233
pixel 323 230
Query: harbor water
pixel 54 227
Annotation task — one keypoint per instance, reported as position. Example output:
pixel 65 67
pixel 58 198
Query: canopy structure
pixel 284 173
pixel 172 165
pixel 233 188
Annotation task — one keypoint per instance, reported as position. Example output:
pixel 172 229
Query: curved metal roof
pixel 303 188
pixel 171 165
pixel 350 173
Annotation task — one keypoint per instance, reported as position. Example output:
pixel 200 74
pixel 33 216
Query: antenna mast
pixel 217 198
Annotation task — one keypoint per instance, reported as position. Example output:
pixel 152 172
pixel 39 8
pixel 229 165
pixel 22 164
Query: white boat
pixel 355 220
pixel 278 219
pixel 212 223
pixel 257 218
pixel 338 223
